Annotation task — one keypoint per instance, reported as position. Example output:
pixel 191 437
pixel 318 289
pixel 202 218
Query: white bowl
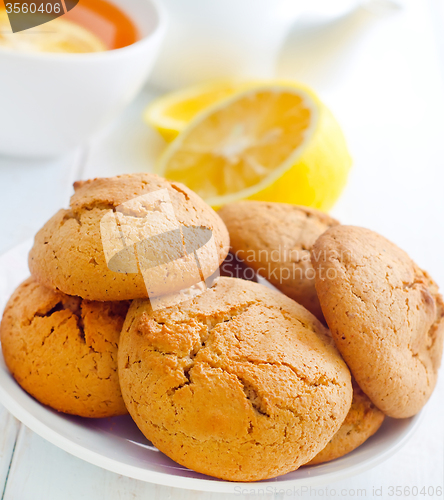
pixel 51 103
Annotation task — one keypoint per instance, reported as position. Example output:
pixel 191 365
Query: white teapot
pixel 211 39
pixel 214 39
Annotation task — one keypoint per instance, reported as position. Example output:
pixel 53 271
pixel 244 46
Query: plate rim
pixel 189 483
pixel 214 485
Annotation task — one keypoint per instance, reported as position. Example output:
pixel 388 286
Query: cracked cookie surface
pixel 385 314
pixel 275 239
pixel 361 422
pixel 241 383
pixel 63 350
pixel 68 253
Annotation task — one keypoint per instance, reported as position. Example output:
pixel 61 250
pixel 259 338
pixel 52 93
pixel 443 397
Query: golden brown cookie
pixel 241 383
pixel 63 350
pixel 275 239
pixel 130 236
pixel 361 422
pixel 385 314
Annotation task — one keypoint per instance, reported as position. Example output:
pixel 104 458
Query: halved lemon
pixel 171 113
pixel 271 142
pixel 59 35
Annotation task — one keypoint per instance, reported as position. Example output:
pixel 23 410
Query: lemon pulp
pixel 59 35
pixel 171 113
pixel 269 142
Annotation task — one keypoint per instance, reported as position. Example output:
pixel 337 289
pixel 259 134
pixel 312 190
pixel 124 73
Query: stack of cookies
pixel 125 312
pixel 60 330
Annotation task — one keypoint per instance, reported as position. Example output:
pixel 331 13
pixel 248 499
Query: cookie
pixel 130 236
pixel 385 314
pixel 275 240
pixel 63 350
pixel 241 383
pixel 361 422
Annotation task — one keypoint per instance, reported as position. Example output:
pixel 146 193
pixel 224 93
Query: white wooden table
pixel 382 75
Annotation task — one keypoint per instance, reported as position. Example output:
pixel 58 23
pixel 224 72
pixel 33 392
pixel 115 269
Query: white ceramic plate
pixel 116 444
